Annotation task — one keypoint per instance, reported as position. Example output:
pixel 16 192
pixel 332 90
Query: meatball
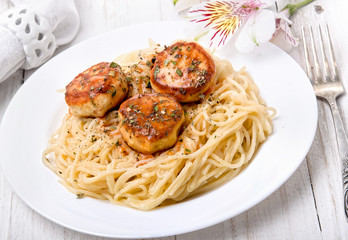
pixel 151 122
pixel 185 70
pixel 96 90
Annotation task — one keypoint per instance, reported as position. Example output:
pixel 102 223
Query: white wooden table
pixel 308 206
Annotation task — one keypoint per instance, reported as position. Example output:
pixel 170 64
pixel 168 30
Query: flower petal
pixel 280 40
pixel 181 5
pixel 284 34
pixel 258 29
pixel 267 3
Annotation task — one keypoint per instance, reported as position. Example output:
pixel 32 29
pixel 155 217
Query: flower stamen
pixel 225 17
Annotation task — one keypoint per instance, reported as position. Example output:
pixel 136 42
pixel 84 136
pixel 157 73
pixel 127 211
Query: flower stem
pixel 292 7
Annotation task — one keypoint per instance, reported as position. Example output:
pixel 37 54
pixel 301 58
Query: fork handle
pixel 342 144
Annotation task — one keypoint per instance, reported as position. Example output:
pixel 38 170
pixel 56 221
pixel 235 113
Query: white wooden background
pixel 307 206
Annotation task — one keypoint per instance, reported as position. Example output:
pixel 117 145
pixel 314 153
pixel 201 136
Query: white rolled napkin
pixel 32 30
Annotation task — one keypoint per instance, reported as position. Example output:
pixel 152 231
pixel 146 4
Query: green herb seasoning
pixel 113 64
pixel 112 73
pixel 174 49
pixel 91 98
pixel 157 70
pixel 191 68
pixel 114 92
pixel 179 72
pixel 80 195
pixel 182 91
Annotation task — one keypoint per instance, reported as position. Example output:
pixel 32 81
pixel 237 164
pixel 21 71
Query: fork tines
pixel 326 70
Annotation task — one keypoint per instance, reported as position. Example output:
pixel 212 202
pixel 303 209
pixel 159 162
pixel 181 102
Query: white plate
pixel 37 110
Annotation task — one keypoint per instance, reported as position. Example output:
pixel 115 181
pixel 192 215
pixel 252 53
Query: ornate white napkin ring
pixel 33 31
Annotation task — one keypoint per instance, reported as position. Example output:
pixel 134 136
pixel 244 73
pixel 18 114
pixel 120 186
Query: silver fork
pixel 327 85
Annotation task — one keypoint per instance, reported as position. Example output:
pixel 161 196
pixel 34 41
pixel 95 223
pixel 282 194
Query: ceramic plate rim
pixel 12 114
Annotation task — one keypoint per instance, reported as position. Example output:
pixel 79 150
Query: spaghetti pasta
pixel 219 138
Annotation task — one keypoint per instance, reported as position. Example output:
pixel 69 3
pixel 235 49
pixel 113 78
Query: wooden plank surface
pixel 307 206
pixel 323 162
